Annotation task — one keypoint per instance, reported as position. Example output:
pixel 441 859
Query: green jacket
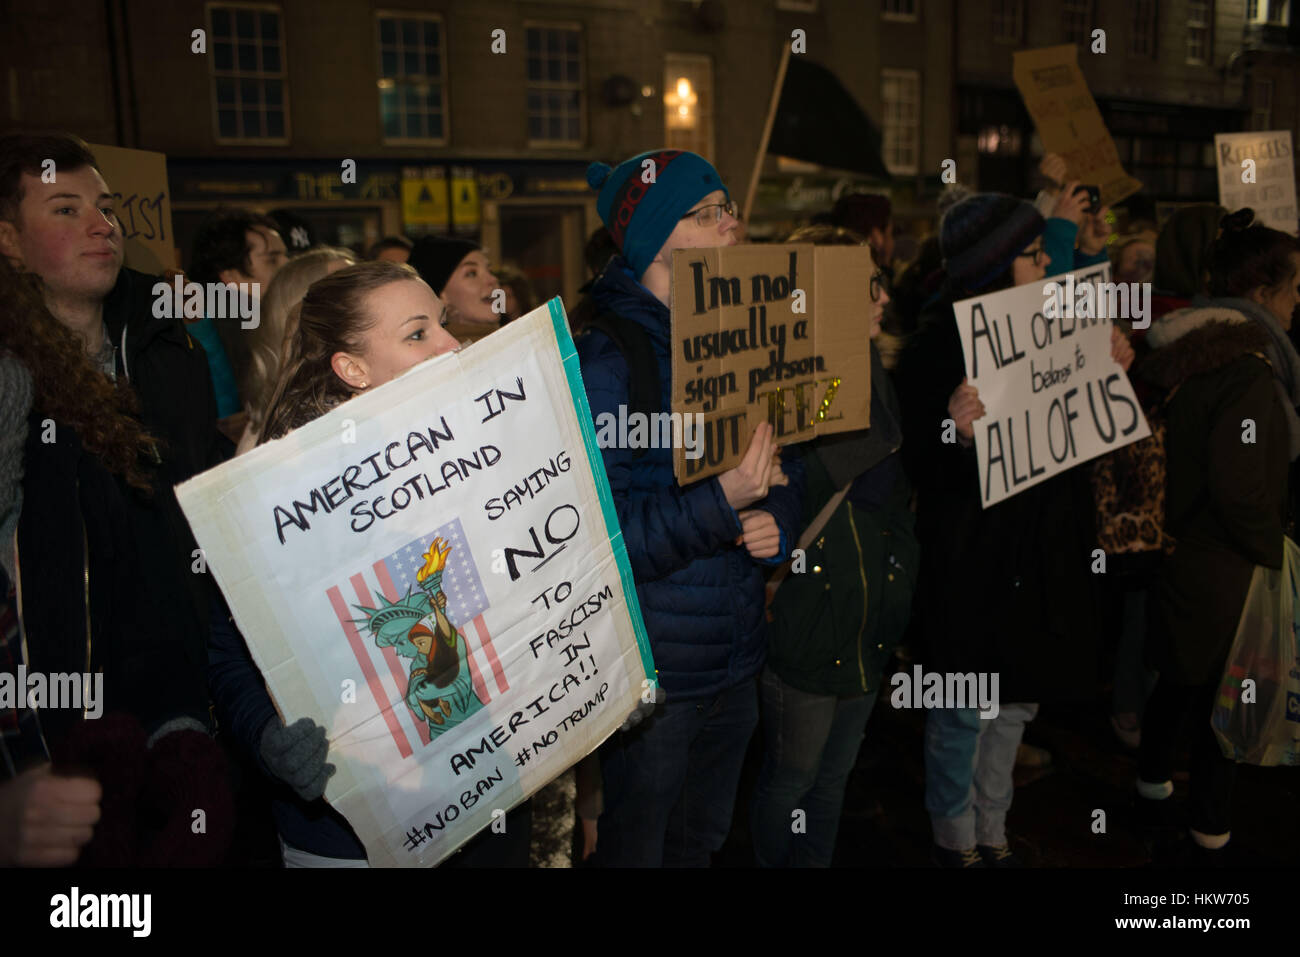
pixel 834 626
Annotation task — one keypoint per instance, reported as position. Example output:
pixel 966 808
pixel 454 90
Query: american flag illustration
pixel 384 671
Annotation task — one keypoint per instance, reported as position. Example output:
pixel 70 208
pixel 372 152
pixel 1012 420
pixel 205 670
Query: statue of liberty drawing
pixel 440 691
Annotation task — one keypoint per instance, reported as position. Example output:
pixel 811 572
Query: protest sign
pixel 1039 354
pixel 434 572
pixel 1057 97
pixel 138 181
pixel 1266 184
pixel 768 333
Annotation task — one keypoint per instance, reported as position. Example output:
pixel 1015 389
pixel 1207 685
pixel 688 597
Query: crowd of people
pixel 106 407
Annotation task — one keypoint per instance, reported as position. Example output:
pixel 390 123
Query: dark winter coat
pixel 1007 589
pixel 836 623
pixel 168 371
pixel 701 594
pixel 86 603
pixel 1226 498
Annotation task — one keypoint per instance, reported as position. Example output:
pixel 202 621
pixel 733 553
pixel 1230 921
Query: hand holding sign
pixel 748 481
pixel 965 407
pixel 1121 350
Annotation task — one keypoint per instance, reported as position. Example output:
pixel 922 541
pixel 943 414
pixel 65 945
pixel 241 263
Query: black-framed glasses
pixel 879 285
pixel 1035 254
pixel 711 214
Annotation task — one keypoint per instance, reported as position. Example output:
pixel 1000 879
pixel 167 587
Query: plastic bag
pixel 1266 650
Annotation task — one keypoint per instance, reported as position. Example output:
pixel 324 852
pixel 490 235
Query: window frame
pixel 896 17
pixel 1207 26
pixel 236 74
pixel 1019 22
pixel 707 61
pixel 1152 25
pixel 1089 16
pixel 901 74
pixel 548 86
pixel 398 16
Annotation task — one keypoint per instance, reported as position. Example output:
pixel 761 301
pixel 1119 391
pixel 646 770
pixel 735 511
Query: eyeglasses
pixel 879 285
pixel 1035 254
pixel 711 214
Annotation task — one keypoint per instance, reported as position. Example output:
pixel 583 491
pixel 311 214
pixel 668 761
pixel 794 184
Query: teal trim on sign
pixel 578 393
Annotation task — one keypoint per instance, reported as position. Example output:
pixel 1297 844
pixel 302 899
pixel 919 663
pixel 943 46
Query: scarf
pixel 1282 356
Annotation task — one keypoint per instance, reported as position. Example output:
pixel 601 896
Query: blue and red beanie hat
pixel 640 215
pixel 981 236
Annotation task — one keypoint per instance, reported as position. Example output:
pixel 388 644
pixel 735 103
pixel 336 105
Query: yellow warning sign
pixel 464 197
pixel 425 201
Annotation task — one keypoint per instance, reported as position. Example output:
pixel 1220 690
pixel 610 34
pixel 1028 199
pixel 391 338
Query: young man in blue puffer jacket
pixel 698 552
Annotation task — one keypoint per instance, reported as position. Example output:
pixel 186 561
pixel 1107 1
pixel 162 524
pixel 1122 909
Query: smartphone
pixel 1094 197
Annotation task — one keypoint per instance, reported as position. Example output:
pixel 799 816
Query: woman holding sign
pixel 1006 592
pixel 1232 382
pixel 357 329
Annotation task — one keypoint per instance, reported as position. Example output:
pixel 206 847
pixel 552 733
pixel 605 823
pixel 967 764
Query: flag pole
pixel 767 131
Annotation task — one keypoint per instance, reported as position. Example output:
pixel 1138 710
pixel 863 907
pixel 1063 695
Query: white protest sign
pixel 1258 170
pixel 434 572
pixel 1039 354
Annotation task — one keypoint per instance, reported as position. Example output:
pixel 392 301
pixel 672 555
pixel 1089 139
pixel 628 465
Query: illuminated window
pixel 688 102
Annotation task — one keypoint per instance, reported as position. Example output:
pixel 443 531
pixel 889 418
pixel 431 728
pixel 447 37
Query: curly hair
pixel 66 387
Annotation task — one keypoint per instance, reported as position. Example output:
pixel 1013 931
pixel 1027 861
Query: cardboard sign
pixel 138 182
pixel 1053 396
pixel 1057 97
pixel 768 333
pixel 434 572
pixel 1267 184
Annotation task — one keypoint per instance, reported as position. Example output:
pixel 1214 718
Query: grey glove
pixel 296 755
pixel 652 696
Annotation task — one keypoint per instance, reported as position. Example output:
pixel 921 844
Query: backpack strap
pixel 633 342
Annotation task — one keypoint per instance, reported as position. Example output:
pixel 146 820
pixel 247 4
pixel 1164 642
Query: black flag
pixel 819 121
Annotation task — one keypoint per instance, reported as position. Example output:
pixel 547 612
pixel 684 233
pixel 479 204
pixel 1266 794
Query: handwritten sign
pixel 1069 123
pixel 1053 395
pixel 434 572
pixel 1267 184
pixel 768 333
pixel 138 182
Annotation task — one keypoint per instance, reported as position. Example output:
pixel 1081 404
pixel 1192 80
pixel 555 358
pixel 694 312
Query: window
pixel 1142 39
pixel 1008 20
pixel 554 85
pixel 1277 12
pixel 688 102
pixel 1261 112
pixel 1199 13
pixel 1252 11
pixel 1076 17
pixel 412 78
pixel 900 9
pixel 901 95
pixel 250 100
